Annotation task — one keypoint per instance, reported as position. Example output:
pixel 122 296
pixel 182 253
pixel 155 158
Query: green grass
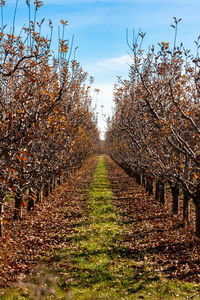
pixel 101 269
pixel 97 266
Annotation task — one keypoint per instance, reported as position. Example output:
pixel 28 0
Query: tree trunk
pixel 175 195
pixel 162 193
pixel 129 171
pixel 149 186
pixel 49 187
pixel 41 194
pixel 58 180
pixel 30 204
pixel 186 199
pixel 53 182
pixel 157 191
pixel 46 189
pixel 197 212
pixel 1 218
pixel 196 198
pixel 144 181
pixel 18 206
pixel 61 179
pixel 31 201
pixel 137 178
pixel 37 197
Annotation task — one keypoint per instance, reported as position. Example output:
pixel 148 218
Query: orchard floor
pixel 99 236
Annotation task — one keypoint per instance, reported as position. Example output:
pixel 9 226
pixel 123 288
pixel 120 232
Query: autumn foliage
pixel 155 131
pixel 47 125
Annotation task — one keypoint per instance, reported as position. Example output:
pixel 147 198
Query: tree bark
pixel 37 197
pixel 51 185
pixel 144 181
pixel 1 218
pixel 137 178
pixel 59 179
pixel 175 196
pixel 18 206
pixel 53 182
pixel 197 212
pixel 46 189
pixel 196 198
pixel 186 199
pixel 149 186
pixel 41 193
pixel 157 191
pixel 31 200
pixel 30 203
pixel 162 193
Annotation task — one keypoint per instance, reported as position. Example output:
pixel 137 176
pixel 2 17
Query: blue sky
pixel 100 32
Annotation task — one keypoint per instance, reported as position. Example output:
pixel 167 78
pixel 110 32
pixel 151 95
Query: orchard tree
pixel 157 122
pixel 47 125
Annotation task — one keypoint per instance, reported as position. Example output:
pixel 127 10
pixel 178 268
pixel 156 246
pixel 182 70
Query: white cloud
pixel 103 103
pixel 105 73
pixel 110 68
pixel 115 63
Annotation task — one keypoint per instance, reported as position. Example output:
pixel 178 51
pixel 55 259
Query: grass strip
pixel 101 269
pixel 97 266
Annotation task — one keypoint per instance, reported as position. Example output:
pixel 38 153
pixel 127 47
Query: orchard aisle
pixel 103 266
pixel 100 267
pixel 100 243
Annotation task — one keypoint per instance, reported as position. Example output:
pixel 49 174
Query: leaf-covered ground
pixel 99 237
pixel 151 233
pixel 30 240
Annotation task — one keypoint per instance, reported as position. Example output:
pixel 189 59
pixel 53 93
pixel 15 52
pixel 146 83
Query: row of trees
pixel 155 131
pixel 47 125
